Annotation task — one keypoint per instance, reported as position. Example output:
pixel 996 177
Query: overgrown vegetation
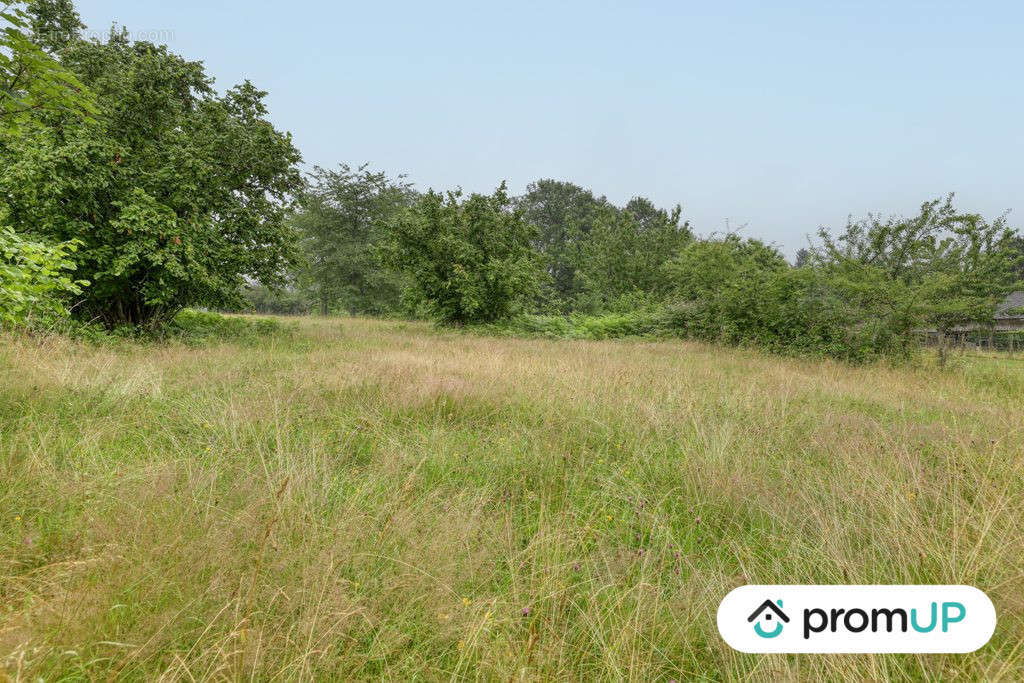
pixel 342 223
pixel 470 260
pixel 370 499
pixel 33 278
pixel 190 495
pixel 174 194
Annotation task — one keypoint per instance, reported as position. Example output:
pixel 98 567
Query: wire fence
pixel 1008 341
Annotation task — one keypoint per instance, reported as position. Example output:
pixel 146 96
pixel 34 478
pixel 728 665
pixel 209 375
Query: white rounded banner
pixel 856 619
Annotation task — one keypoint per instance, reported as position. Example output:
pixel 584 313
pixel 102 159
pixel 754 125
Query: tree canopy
pixel 341 221
pixel 470 258
pixel 32 80
pixel 958 265
pixel 176 194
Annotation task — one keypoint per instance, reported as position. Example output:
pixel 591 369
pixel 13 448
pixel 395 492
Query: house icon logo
pixel 764 616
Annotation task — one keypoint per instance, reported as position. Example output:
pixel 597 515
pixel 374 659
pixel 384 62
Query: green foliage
pixel 626 251
pixel 199 327
pixel 287 301
pixel 958 265
pixel 735 291
pixel 616 325
pixel 189 326
pixel 594 252
pixel 342 221
pixel 564 214
pixel 706 267
pixel 860 296
pixel 54 24
pixel 178 196
pixel 1017 250
pixel 471 259
pixel 32 81
pixel 33 277
pixel 738 291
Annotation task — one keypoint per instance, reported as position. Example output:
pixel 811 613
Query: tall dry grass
pixel 379 500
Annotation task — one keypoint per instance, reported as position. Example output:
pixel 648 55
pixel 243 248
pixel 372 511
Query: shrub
pixel 471 260
pixel 737 291
pixel 203 326
pixel 34 277
pixel 615 325
pixel 549 326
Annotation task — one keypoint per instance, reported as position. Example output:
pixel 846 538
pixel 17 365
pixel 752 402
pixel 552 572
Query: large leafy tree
pixel 626 250
pixel 564 214
pixel 342 220
pixel 177 195
pixel 957 265
pixel 470 259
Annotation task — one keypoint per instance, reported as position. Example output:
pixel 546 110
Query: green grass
pixel 361 499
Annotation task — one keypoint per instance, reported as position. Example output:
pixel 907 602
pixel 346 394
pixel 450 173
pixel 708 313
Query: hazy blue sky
pixel 781 116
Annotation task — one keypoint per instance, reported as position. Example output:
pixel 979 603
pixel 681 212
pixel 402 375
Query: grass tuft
pixel 357 499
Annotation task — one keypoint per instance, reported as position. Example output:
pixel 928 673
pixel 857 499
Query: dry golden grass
pixel 379 500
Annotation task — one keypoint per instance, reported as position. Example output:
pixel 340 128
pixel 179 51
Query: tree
pixel 471 260
pixel 341 222
pixel 803 258
pixel 54 24
pixel 34 275
pixel 706 267
pixel 31 79
pixel 626 250
pixel 1017 245
pixel 958 265
pixel 564 214
pixel 178 196
pixel 744 292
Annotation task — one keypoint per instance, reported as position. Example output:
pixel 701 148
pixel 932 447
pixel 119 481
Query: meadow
pixel 363 499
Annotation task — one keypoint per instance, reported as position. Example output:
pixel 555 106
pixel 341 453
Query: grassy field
pixel 366 499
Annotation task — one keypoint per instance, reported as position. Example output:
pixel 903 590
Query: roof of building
pixel 1011 307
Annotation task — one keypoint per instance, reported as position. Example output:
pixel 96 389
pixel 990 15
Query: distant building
pixel 1009 315
pixel 1003 334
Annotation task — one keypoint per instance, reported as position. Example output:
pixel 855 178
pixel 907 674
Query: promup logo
pixel 767 611
pixel 857 619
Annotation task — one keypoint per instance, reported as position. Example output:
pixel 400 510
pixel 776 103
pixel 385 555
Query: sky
pixel 768 118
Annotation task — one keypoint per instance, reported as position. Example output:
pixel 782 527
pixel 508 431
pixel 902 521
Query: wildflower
pixel 526 611
pixel 465 602
pixel 697 521
pixel 576 567
pixel 609 518
pixel 17 518
pixel 461 644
